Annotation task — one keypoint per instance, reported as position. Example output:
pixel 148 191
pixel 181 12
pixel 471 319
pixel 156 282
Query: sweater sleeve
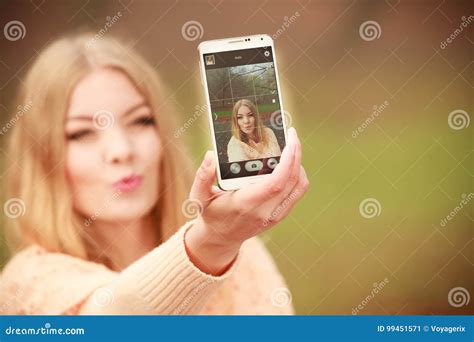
pixel 164 281
pixel 257 287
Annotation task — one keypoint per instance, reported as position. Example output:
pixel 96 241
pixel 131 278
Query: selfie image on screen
pixel 246 111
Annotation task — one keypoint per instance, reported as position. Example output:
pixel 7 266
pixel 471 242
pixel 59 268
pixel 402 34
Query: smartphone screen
pixel 246 113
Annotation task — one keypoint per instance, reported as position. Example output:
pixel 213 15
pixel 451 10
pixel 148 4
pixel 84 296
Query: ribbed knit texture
pixel 168 282
pixel 163 282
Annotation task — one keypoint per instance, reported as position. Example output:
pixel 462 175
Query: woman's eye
pixel 79 135
pixel 145 121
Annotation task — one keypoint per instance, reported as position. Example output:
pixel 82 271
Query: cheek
pixel 148 148
pixel 83 172
pixel 81 165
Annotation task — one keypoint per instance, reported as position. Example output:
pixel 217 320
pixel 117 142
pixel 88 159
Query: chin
pixel 129 210
pixel 129 216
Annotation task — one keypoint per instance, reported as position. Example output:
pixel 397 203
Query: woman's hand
pixel 228 218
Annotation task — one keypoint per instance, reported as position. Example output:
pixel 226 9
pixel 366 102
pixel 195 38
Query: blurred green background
pixel 410 159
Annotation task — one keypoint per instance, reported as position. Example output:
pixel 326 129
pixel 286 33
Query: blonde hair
pixel 237 132
pixel 37 145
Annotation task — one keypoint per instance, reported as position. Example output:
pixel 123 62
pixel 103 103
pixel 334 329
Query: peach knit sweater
pixel 240 151
pixel 162 282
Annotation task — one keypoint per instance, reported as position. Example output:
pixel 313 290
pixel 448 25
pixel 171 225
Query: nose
pixel 117 147
pixel 246 120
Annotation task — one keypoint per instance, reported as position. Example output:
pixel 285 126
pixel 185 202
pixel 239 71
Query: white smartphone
pixel 246 115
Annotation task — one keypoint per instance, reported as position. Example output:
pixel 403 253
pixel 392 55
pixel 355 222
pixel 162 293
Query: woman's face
pixel 113 148
pixel 246 119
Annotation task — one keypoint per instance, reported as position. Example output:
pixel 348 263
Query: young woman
pixel 101 186
pixel 250 139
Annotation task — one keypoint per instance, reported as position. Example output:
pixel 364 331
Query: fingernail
pixel 207 159
pixel 293 139
pixel 290 130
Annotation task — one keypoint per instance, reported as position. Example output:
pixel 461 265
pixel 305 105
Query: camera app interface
pixel 247 117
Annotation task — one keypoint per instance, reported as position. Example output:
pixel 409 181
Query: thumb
pixel 204 179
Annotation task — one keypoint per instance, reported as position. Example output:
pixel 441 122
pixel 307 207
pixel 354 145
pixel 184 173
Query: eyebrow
pixel 127 112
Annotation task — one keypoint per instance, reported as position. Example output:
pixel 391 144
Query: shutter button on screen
pixel 254 165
